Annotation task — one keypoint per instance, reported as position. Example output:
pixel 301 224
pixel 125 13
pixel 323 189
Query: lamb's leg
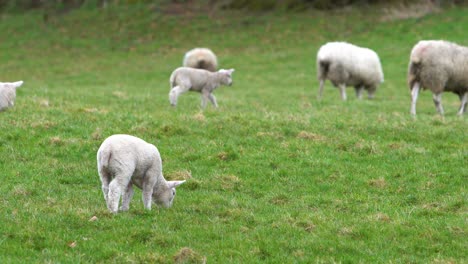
pixel 321 89
pixel 148 186
pixel 463 103
pixel 342 88
pixel 115 191
pixel 414 97
pixel 213 100
pixel 174 94
pixel 105 179
pixel 127 197
pixel 358 90
pixel 204 98
pixel 438 102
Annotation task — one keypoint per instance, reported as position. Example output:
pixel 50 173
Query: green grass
pixel 274 174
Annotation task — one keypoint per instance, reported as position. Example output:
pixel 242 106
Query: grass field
pixel 273 175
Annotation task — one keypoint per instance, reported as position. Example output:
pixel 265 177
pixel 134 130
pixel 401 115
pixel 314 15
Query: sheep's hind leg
pixel 127 197
pixel 437 98
pixel 342 88
pixel 414 97
pixel 115 191
pixel 105 179
pixel 463 103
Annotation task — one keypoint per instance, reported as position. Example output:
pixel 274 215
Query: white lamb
pixel 438 66
pixel 345 65
pixel 8 94
pixel 124 160
pixel 201 58
pixel 185 79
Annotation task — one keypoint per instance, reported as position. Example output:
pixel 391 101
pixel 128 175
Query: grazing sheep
pixel 201 58
pixel 185 79
pixel 345 64
pixel 124 160
pixel 8 94
pixel 438 66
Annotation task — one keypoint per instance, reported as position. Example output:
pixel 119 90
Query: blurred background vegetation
pixel 257 5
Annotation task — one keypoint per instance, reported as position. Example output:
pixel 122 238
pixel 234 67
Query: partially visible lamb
pixel 201 58
pixel 8 94
pixel 345 65
pixel 185 79
pixel 124 160
pixel 438 66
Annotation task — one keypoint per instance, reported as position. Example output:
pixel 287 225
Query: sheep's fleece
pixel 345 64
pixel 124 161
pixel 201 58
pixel 8 94
pixel 439 66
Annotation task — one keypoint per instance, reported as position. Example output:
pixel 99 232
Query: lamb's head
pixel 226 76
pixel 163 195
pixel 11 84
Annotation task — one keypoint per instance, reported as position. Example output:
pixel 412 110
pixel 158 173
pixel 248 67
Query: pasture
pixel 273 175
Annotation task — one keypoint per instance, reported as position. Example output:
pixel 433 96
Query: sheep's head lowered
pixel 163 195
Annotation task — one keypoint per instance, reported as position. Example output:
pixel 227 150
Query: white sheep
pixel 345 65
pixel 438 66
pixel 8 94
pixel 185 79
pixel 124 161
pixel 201 58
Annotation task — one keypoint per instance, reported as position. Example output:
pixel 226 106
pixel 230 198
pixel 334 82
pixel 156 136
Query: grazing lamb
pixel 345 65
pixel 185 79
pixel 8 94
pixel 201 58
pixel 438 66
pixel 124 160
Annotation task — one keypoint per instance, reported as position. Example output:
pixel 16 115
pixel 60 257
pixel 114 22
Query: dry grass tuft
pixel 187 255
pixel 199 117
pixel 379 183
pixel 310 136
pixel 179 175
pixel 120 94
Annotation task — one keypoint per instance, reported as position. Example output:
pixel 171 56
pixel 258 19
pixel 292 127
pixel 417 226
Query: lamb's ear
pixel 17 84
pixel 173 184
pixel 231 71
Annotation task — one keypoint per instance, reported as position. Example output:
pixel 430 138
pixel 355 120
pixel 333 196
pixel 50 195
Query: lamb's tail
pixel 414 70
pixel 172 80
pixel 103 157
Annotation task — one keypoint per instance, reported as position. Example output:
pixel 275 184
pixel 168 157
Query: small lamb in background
pixel 439 66
pixel 8 94
pixel 124 160
pixel 185 79
pixel 201 58
pixel 345 65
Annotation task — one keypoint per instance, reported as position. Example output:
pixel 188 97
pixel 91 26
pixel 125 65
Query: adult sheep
pixel 124 161
pixel 345 64
pixel 8 94
pixel 438 66
pixel 201 58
